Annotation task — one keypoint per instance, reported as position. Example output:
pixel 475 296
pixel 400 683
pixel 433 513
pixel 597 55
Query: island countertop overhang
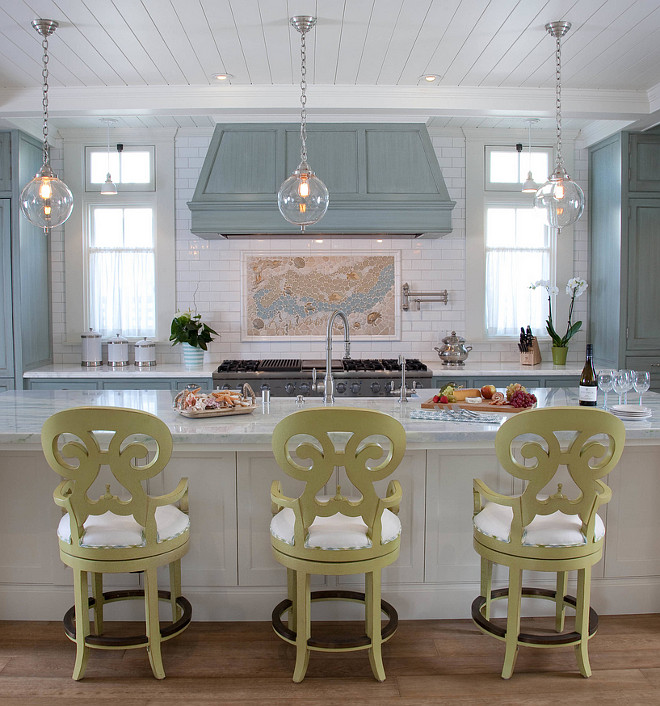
pixel 22 414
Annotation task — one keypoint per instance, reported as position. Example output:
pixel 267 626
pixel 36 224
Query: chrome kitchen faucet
pixel 329 383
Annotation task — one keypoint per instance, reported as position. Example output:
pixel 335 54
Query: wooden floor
pixel 427 662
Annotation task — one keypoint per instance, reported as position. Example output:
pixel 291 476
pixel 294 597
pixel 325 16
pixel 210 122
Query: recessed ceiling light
pixel 429 78
pixel 225 78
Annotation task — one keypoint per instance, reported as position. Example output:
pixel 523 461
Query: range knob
pixel 341 387
pixel 289 388
pixel 355 388
pixel 375 387
pixel 305 388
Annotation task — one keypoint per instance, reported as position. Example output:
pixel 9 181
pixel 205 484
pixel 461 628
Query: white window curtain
pixel 518 253
pixel 122 279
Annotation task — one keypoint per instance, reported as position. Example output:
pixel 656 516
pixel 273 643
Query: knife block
pixel 532 357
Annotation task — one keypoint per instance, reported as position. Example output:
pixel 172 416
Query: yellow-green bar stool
pixel 560 453
pixel 356 533
pixel 114 535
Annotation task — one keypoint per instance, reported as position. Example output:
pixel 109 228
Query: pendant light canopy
pixel 560 196
pixel 46 201
pixel 108 188
pixel 530 186
pixel 303 198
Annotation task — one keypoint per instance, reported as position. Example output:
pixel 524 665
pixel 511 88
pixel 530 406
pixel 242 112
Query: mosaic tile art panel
pixel 293 295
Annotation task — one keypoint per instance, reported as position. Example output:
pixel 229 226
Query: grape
pixel 521 399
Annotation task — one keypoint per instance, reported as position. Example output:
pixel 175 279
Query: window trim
pixel 162 200
pixel 476 199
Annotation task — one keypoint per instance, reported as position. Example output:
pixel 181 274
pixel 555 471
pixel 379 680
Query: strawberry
pixel 436 398
pixel 444 399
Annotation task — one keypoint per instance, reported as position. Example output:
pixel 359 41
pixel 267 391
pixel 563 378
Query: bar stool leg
pixel 582 620
pixel 560 611
pixel 303 625
pixel 175 588
pixel 291 595
pixel 80 589
pixel 97 593
pixel 486 582
pixel 373 622
pixel 512 622
pixel 152 622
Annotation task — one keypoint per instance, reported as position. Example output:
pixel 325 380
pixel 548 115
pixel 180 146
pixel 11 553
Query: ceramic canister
pixel 117 352
pixel 145 353
pixel 91 349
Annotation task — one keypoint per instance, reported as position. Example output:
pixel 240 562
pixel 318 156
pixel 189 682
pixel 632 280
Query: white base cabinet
pixel 230 574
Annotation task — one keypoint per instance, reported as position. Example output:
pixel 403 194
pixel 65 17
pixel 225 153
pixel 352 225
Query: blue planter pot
pixel 192 357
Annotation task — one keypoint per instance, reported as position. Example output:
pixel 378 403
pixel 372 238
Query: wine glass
pixel 627 383
pixel 641 382
pixel 605 382
pixel 619 382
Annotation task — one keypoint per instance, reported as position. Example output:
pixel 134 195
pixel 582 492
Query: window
pixel 121 266
pixel 133 167
pixel 506 168
pixel 508 245
pixel 119 250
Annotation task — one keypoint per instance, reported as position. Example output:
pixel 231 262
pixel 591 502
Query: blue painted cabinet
pixel 624 218
pixel 25 314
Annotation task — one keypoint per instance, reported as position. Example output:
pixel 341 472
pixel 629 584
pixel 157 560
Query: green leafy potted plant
pixel 575 287
pixel 194 335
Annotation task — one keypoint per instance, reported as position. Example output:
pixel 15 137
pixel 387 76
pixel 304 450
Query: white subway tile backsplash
pixel 212 269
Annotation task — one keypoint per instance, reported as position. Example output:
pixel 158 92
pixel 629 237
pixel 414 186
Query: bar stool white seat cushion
pixel 335 532
pixel 555 530
pixel 110 531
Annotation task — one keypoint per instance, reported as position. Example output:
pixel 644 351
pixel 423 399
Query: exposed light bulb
pixel 45 190
pixel 559 191
pixel 303 188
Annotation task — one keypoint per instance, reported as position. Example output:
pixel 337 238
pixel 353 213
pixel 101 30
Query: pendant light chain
pixel 44 100
pixel 560 160
pixel 303 98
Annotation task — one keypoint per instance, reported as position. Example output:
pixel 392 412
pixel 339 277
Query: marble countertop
pixel 23 412
pixel 471 369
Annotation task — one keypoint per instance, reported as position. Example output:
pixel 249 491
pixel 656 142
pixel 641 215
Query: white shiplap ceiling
pixel 150 62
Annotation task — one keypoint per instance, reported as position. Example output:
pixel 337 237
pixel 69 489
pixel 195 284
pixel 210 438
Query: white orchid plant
pixel 575 287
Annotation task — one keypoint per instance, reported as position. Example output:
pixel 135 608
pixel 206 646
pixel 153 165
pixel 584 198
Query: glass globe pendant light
pixel 303 198
pixel 46 201
pixel 560 196
pixel 108 188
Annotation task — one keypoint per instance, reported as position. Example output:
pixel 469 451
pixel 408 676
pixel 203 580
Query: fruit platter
pixel 219 403
pixel 484 399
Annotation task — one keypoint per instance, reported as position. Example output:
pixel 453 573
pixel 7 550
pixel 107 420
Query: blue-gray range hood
pixel 384 180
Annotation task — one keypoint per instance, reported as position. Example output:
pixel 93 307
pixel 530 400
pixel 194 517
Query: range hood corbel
pixel 384 181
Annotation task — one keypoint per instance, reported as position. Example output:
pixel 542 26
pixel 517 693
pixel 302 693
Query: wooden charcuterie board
pixel 475 407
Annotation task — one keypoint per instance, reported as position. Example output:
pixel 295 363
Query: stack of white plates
pixel 630 412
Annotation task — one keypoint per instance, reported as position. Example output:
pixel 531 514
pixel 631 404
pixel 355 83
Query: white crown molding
pixel 127 134
pixel 600 130
pixel 264 102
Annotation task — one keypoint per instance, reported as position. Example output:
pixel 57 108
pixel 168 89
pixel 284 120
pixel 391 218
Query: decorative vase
pixel 559 355
pixel 192 357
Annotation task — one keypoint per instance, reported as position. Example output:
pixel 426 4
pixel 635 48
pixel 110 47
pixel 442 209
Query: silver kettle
pixel 454 352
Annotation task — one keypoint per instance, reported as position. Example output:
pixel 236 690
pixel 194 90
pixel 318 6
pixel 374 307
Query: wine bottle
pixel 588 392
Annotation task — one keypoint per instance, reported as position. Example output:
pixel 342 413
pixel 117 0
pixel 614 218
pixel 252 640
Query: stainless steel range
pixel 359 377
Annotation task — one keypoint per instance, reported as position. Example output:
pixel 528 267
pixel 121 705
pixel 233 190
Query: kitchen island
pixel 229 573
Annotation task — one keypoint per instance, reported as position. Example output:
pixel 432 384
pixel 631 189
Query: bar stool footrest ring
pixel 351 643
pixel 566 638
pixel 128 641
